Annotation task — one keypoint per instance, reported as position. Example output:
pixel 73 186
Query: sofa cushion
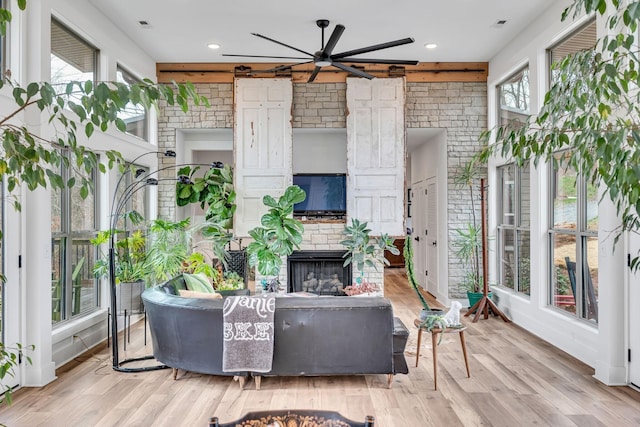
pixel 197 282
pixel 195 294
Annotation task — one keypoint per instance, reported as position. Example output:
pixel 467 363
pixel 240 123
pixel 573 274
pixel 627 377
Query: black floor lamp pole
pixel 117 206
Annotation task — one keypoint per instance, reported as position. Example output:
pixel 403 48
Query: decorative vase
pixel 474 297
pixel 128 295
pixel 424 313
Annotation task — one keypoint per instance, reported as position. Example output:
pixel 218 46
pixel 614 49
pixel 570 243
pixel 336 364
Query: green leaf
pixel 121 125
pixel 32 89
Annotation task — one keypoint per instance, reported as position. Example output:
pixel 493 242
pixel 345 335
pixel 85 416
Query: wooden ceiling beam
pixel 225 72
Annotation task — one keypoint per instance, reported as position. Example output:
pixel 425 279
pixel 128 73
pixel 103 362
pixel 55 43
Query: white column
pixel 36 235
pixel 610 363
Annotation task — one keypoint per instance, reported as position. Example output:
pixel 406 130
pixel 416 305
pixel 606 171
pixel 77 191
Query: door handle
pixel 435 242
pixel 417 238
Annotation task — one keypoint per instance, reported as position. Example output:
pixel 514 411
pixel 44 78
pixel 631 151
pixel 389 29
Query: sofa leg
pixel 389 380
pixel 241 380
pixel 258 380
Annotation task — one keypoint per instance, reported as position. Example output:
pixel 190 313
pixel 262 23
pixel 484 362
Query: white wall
pixel 598 346
pixel 429 160
pixel 319 150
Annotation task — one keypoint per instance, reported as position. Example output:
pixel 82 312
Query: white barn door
pixel 262 146
pixel 376 153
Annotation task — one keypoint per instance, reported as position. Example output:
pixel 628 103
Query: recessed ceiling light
pixel 431 45
pixel 213 46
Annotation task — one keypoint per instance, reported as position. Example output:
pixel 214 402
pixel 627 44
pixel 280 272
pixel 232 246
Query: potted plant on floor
pixel 468 242
pixel 364 251
pixel 278 236
pixel 131 268
pixel 170 251
pixel 409 267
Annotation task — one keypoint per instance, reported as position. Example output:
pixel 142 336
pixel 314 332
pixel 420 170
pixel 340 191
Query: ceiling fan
pixel 325 56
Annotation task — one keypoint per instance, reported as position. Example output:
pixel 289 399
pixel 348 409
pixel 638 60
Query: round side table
pixel 434 341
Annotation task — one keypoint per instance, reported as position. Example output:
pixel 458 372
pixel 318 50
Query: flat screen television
pixel 326 194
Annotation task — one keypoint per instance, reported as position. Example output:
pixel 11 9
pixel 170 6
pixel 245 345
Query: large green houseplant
pixel 34 161
pixel 363 251
pixel 278 236
pixel 591 111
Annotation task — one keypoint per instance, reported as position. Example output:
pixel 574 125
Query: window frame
pixel 65 239
pixel 517 228
pixel 581 234
pixel 146 124
pixel 81 40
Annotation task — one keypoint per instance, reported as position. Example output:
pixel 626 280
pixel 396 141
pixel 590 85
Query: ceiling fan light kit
pixel 325 56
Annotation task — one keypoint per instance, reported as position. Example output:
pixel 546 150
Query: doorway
pixel 419 219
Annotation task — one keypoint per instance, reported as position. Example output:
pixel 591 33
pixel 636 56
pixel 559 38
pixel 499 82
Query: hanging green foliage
pixel 592 110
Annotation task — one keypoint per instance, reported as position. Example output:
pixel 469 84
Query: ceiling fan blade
pixel 264 56
pixel 281 44
pixel 333 40
pixel 352 70
pixel 373 48
pixel 313 75
pixel 379 61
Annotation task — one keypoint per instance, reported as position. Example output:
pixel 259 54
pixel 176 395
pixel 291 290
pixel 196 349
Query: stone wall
pixel 461 108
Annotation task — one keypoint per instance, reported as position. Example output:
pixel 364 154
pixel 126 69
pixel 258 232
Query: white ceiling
pixel 180 30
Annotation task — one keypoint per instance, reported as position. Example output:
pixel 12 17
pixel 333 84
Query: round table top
pixel 448 330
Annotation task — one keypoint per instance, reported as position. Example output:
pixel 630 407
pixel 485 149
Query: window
pixel 584 38
pixel 74 288
pixel 513 99
pixel 573 240
pixel 573 216
pixel 135 116
pixel 72 59
pixel 514 199
pixel 2 258
pixel 513 228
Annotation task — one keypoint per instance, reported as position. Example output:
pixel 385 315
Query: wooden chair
pixel 293 418
pixel 590 300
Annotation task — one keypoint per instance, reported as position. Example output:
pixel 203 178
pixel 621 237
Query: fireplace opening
pixel 318 272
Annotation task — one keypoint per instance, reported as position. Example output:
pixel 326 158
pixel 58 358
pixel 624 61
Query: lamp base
pixel 117 366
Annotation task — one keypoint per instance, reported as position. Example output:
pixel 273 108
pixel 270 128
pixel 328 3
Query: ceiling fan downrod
pixel 322 23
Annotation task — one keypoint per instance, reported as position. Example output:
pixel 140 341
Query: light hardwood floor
pixel 516 380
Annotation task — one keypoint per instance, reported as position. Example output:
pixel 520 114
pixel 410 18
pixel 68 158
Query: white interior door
pixel 634 315
pixel 431 236
pixel 376 153
pixel 263 146
pixel 419 220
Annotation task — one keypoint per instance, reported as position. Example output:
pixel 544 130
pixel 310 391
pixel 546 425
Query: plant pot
pixel 424 313
pixel 128 296
pixel 474 297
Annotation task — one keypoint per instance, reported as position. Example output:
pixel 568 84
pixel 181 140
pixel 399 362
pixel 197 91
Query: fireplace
pixel 318 272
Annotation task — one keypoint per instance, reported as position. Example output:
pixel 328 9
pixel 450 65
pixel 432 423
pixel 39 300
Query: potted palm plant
pixel 468 242
pixel 364 251
pixel 278 236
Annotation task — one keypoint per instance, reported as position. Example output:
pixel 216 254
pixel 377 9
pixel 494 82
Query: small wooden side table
pixel 434 341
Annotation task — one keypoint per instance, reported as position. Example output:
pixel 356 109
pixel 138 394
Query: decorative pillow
pixel 195 294
pixel 197 282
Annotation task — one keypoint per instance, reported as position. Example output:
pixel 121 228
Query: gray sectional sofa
pixel 312 335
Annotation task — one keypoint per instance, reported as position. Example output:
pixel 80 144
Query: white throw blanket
pixel 248 333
